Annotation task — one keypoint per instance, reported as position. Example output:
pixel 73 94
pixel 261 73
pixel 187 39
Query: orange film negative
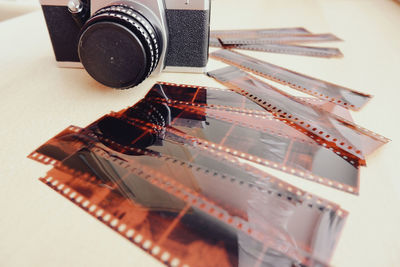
pixel 287 149
pixel 329 130
pixel 180 200
pixel 180 212
pixel 105 132
pixel 249 134
pixel 337 94
pixel 256 33
pixel 266 141
pixel 225 99
pixel 312 51
pixel 281 39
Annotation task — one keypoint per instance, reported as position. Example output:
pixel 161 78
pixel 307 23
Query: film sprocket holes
pixel 120 43
pixel 181 201
pixel 329 130
pixel 345 97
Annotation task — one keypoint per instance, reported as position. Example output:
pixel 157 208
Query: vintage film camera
pixel 122 43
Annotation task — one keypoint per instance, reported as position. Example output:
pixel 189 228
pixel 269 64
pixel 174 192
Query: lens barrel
pixel 119 47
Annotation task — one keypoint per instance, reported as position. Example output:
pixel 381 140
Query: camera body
pixel 120 43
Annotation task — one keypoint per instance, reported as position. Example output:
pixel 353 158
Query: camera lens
pixel 119 47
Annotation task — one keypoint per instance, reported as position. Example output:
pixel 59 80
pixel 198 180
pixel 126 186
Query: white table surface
pixel 38 227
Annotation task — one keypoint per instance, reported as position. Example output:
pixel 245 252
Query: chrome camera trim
pixel 157 9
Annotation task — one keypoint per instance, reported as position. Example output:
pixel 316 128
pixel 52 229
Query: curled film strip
pixel 337 94
pixel 218 98
pixel 282 39
pixel 347 180
pixel 290 49
pixel 54 150
pixel 327 129
pixel 197 96
pixel 118 223
pixel 107 218
pixel 295 162
pixel 257 33
pixel 286 150
pixel 167 191
pixel 225 99
pixel 293 165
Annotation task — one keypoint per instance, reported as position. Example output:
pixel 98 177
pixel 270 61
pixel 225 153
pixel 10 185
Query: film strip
pixel 329 130
pixel 224 99
pixel 182 200
pixel 337 94
pixel 266 141
pixel 312 51
pixel 257 33
pixel 281 39
pixel 139 199
pixel 214 98
pixel 54 152
pixel 297 155
pixel 217 98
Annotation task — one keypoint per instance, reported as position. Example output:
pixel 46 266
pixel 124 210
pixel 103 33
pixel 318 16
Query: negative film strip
pixel 329 130
pixel 312 51
pixel 217 98
pixel 211 97
pixel 147 203
pixel 281 39
pixel 337 94
pixel 257 33
pixel 257 137
pixel 298 154
pixel 134 159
